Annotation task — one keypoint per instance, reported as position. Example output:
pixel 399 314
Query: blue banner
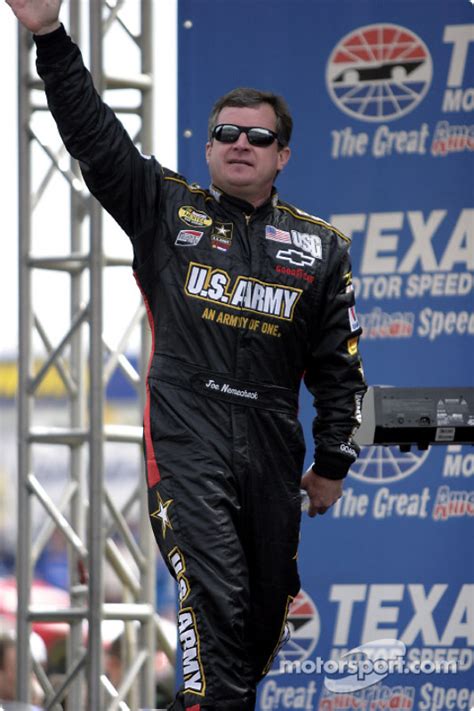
pixel 382 95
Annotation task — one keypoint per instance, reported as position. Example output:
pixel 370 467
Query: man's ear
pixel 283 157
pixel 208 151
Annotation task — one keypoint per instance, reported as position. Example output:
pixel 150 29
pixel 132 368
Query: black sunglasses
pixel 230 132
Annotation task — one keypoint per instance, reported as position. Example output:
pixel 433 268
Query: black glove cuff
pixel 330 467
pixel 53 45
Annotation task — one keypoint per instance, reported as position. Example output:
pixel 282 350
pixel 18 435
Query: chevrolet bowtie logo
pixel 300 259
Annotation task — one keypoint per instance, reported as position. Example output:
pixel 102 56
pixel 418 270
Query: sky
pixel 51 305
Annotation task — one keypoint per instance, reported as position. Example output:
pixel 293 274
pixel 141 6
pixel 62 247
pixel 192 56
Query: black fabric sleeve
pixel 334 373
pixel 125 182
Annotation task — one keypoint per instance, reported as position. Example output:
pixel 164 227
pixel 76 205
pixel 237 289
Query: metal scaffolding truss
pixel 63 268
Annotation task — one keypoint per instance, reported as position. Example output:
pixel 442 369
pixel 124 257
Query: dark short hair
pixel 243 97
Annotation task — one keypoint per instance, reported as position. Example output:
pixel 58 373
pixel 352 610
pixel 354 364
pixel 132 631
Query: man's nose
pixel 242 141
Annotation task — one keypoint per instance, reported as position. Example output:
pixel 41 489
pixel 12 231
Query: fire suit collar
pixel 230 201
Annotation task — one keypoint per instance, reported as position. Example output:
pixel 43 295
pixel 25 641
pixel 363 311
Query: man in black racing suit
pixel 245 295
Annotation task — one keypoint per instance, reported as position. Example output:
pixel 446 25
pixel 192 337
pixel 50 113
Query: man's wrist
pixel 49 28
pixel 327 473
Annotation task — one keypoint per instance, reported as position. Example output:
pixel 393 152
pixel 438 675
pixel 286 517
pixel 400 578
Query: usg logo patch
pixel 308 243
pixel 379 72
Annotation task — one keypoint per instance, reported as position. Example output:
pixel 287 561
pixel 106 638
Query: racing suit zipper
pixel 242 355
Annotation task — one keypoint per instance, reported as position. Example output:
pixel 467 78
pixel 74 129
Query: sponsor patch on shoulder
pixel 296 273
pixel 352 346
pixel 308 243
pixel 188 238
pixel 277 235
pixel 353 320
pixel 294 256
pixel 193 217
pixel 221 236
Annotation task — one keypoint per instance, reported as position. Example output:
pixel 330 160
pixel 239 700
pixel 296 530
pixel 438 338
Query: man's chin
pixel 240 178
pixel 236 171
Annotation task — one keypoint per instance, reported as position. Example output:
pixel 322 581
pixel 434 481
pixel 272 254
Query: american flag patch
pixel 277 235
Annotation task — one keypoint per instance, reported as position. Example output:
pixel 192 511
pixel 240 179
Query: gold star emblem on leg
pixel 162 513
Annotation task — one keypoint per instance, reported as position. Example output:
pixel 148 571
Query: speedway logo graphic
pixel 303 626
pixel 379 72
pixel 384 465
pixel 382 72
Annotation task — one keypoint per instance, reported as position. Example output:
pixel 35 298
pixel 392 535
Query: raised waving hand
pixel 38 16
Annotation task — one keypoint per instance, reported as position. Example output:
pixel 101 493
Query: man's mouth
pixel 237 161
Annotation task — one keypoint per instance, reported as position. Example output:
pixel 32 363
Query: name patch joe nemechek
pixel 248 293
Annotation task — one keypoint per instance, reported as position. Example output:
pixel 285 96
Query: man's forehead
pixel 261 115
